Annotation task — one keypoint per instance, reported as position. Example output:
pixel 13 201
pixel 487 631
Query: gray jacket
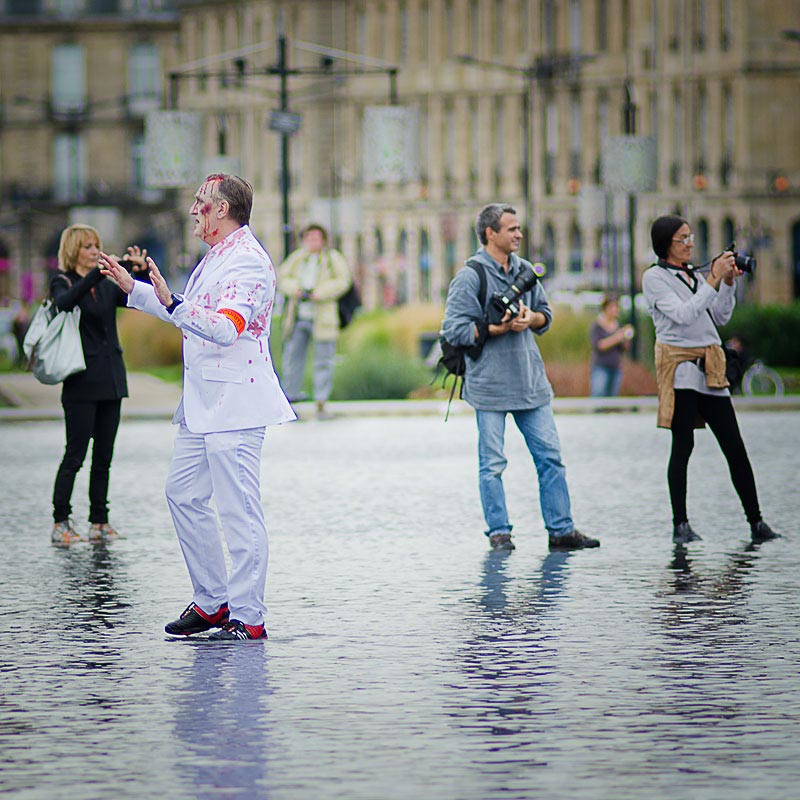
pixel 509 374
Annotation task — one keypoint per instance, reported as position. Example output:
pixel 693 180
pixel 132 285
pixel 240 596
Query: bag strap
pixel 481 270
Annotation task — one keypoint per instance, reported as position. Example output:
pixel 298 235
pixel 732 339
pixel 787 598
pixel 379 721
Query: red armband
pixel 235 317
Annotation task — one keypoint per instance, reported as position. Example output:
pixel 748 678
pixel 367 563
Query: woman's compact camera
pixel 744 263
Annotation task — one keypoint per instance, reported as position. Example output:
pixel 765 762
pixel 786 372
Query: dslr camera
pixel 508 300
pixel 744 263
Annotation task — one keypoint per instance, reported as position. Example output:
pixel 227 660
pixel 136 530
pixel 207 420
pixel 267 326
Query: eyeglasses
pixel 688 239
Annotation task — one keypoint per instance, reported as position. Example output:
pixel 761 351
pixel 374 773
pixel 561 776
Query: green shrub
pixel 772 332
pixel 378 373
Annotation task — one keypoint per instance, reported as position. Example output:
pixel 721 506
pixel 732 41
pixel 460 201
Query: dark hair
pixel 662 231
pixel 489 217
pixel 607 300
pixel 237 192
pixel 314 226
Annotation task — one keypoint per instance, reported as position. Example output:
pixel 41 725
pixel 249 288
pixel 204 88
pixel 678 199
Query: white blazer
pixel 229 381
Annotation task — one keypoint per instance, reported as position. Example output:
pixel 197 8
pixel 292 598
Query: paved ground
pixel 150 398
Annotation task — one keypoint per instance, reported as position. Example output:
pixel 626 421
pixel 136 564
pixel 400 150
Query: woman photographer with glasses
pixel 686 307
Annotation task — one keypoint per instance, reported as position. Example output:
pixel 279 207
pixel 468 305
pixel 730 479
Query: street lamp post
pixel 629 120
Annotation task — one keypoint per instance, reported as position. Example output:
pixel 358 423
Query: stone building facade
pixel 715 82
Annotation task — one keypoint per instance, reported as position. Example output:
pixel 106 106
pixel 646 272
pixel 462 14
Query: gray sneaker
pixel 574 540
pixel 501 541
pixel 64 534
pixel 683 534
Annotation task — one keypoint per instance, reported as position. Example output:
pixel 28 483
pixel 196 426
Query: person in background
pixel 508 377
pixel 312 278
pixel 91 399
pixel 686 308
pixel 609 342
pixel 230 394
pixel 19 327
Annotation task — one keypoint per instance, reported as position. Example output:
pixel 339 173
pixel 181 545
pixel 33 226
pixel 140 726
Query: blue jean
pixel 604 381
pixel 538 428
pixel 294 362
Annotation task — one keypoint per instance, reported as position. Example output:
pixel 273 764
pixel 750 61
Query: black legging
pixel 719 415
pixel 85 421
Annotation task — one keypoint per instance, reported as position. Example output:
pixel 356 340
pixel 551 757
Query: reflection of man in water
pixel 220 697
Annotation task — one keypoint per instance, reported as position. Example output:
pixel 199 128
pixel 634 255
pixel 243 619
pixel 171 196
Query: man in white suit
pixel 230 394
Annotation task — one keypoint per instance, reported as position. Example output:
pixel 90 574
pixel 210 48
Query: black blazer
pixel 98 299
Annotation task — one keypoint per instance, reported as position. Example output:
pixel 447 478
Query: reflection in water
pixel 90 588
pixel 509 665
pixel 222 721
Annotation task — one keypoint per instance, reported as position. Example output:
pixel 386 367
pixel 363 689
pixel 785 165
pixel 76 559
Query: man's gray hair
pixel 489 217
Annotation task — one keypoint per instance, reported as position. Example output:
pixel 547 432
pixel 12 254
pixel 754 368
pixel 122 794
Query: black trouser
pixel 85 421
pixel 720 417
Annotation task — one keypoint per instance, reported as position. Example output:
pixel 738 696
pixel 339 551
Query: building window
pixel 701 242
pixel 551 143
pixel 144 77
pixel 361 32
pixel 575 250
pixel 625 14
pixel 576 135
pixel 728 231
pixel 601 28
pixel 450 27
pixel 575 26
pixel 703 122
pixel 499 21
pixel 549 25
pixel 403 33
pixel 499 144
pixel 677 138
pixel 475 25
pixel 424 32
pixel 549 249
pixel 726 32
pixel 424 266
pixel 68 79
pixel 69 168
pixel 728 132
pixel 700 25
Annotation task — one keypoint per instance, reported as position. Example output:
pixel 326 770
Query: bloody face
pixel 205 203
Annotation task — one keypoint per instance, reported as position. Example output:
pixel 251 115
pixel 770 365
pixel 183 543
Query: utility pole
pixel 283 72
pixel 629 121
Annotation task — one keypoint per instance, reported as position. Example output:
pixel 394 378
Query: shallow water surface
pixel 405 660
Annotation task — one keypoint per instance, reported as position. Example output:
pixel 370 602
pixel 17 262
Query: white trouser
pixel 227 465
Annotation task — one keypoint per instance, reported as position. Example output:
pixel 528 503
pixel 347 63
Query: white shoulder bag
pixel 52 344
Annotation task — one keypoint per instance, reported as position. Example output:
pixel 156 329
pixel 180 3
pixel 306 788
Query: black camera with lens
pixel 744 263
pixel 508 300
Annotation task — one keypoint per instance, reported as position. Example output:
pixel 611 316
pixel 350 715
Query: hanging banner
pixel 173 144
pixel 630 164
pixel 390 144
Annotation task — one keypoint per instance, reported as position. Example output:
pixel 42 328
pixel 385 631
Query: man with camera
pixel 508 376
pixel 312 278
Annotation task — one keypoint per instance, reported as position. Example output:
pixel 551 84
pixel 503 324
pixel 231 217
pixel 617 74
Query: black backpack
pixel 453 360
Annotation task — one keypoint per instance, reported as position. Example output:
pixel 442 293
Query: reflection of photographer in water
pixel 690 364
pixel 509 377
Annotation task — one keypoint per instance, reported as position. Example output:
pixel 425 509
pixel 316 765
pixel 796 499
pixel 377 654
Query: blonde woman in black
pixel 91 399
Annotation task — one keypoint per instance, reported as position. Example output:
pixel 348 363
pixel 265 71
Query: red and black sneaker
pixel 234 631
pixel 195 620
